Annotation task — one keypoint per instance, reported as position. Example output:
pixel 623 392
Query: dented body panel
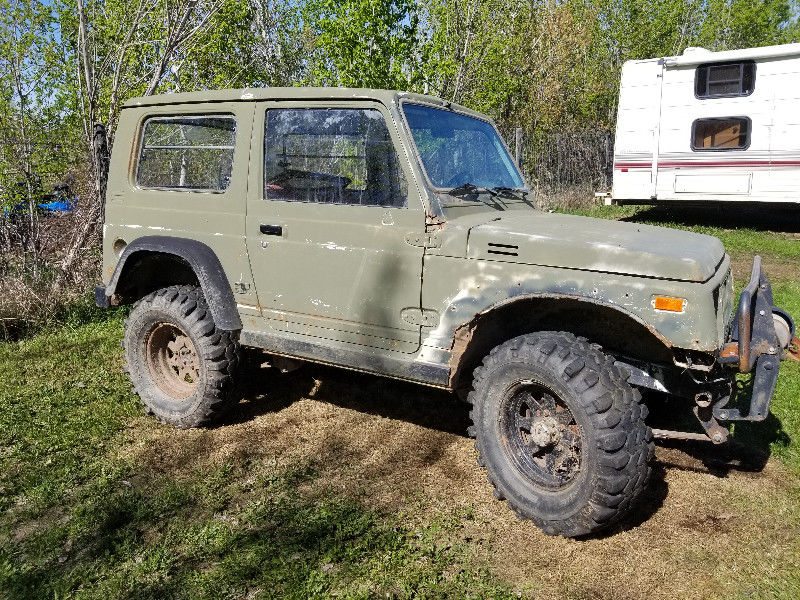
pixel 464 277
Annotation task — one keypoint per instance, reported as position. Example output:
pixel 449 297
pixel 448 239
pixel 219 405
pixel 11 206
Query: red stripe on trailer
pixel 707 164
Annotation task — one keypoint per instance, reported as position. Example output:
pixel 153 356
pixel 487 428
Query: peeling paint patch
pixel 333 246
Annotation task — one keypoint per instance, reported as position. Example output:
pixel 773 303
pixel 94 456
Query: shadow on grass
pixel 425 407
pixel 747 450
pixel 171 539
pixel 762 217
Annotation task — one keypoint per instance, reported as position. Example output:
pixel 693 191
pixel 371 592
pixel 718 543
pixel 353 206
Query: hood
pixel 588 244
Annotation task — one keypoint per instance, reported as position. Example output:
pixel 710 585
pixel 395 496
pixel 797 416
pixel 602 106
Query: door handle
pixel 271 229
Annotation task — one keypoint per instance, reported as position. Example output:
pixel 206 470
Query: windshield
pixel 457 149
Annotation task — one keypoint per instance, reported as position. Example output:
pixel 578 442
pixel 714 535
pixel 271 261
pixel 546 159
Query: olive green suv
pixel 392 233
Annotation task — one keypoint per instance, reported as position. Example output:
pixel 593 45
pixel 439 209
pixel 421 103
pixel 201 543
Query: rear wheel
pixel 561 432
pixel 183 368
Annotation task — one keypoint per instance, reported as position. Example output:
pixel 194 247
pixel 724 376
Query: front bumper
pixel 754 347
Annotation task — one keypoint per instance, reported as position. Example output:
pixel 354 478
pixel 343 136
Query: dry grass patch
pixel 706 529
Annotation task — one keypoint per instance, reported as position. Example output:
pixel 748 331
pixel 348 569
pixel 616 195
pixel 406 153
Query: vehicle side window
pixel 187 153
pixel 728 133
pixel 725 80
pixel 337 156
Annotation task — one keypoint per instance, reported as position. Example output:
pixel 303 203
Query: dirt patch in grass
pixel 775 267
pixel 710 525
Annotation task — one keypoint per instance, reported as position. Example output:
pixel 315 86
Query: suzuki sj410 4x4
pixel 392 233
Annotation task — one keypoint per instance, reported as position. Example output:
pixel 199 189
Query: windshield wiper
pixel 509 191
pixel 466 189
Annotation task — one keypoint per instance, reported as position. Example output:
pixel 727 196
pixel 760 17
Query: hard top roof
pixel 386 97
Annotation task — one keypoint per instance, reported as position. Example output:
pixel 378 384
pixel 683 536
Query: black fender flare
pixel 206 266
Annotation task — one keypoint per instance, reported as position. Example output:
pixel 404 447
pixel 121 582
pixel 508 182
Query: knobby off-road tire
pixel 560 432
pixel 182 367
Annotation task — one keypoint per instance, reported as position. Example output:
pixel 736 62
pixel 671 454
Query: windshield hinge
pixel 424 240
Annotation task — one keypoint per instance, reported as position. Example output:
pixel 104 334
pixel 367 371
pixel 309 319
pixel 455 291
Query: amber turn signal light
pixel 669 303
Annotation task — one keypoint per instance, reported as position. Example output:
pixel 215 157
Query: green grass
pixel 79 519
pixel 741 238
pixel 84 515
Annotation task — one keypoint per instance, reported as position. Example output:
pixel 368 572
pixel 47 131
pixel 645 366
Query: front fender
pixel 459 289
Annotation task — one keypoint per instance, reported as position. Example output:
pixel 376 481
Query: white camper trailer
pixel 710 126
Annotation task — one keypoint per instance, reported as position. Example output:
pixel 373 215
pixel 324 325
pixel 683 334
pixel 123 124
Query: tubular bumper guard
pixel 754 346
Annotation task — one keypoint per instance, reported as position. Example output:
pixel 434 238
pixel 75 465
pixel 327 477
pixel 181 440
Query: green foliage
pixel 549 66
pixel 542 65
pixel 30 118
pixel 364 43
pixel 730 24
pixel 248 43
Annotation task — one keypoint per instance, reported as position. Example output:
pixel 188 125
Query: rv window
pixel 725 80
pixel 729 133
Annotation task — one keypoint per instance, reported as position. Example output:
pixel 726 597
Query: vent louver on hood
pixel 503 249
pixel 582 243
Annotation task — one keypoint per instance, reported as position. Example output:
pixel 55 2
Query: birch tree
pixel 26 49
pixel 120 49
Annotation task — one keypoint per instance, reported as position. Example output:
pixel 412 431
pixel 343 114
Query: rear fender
pixel 203 262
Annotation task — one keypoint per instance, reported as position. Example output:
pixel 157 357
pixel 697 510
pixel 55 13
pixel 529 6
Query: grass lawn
pixel 83 514
pixel 326 484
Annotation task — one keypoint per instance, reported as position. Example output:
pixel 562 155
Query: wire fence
pixel 561 165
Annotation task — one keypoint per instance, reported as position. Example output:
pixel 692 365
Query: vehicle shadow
pixel 762 217
pixel 747 450
pixel 269 391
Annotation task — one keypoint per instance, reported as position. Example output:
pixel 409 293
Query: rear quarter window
pixel 187 152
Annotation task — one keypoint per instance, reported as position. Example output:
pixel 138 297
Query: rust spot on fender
pixel 461 341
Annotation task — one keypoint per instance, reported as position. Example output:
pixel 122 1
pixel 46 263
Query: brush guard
pixel 755 346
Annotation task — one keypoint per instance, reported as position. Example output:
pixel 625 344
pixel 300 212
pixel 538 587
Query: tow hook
pixel 704 411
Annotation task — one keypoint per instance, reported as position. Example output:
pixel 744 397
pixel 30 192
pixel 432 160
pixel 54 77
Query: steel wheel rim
pixel 540 435
pixel 172 360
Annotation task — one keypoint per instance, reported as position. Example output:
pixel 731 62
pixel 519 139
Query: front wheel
pixel 561 433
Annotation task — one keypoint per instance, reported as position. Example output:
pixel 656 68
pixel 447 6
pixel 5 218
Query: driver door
pixel 329 213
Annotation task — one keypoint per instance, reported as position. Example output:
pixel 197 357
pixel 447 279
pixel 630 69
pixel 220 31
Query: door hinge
pixel 424 240
pixel 425 317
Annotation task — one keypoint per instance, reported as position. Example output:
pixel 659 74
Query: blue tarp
pixel 65 205
pixel 59 206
